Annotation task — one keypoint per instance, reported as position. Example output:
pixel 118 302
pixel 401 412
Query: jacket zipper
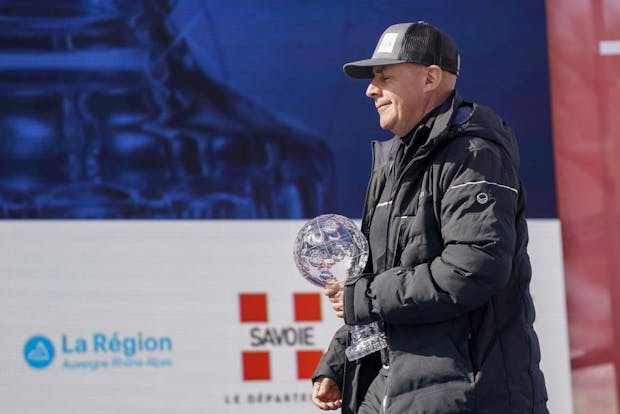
pixel 367 213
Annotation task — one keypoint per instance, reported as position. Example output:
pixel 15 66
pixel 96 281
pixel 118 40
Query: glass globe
pixel 330 248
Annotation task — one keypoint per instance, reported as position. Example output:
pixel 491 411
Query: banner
pixel 129 316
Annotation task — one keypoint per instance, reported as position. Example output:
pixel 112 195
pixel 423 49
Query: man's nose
pixel 372 91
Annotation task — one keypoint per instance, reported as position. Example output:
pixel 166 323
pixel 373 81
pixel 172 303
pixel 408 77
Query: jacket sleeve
pixel 332 362
pixel 479 191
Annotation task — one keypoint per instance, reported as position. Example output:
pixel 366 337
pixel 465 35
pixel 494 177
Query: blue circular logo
pixel 39 352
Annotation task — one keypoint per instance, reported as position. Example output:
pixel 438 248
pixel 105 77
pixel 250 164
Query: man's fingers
pixel 325 394
pixel 318 395
pixel 330 290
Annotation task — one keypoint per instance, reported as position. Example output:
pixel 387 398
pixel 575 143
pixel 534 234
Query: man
pixel 448 275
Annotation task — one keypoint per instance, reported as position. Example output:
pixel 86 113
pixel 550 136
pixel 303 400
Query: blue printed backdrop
pixel 218 109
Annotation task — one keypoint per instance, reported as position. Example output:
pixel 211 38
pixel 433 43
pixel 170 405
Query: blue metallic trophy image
pixel 328 249
pixel 105 112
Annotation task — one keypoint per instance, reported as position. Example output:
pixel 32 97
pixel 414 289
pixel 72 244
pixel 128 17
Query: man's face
pixel 398 92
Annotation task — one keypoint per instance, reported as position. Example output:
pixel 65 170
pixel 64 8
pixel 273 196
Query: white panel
pixel 609 47
pixel 171 288
pixel 547 289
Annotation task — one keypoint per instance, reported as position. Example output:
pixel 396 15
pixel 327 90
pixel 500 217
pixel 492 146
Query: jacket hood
pixel 481 121
pixel 455 118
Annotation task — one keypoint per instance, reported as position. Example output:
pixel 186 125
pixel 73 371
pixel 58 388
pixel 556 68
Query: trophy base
pixel 365 346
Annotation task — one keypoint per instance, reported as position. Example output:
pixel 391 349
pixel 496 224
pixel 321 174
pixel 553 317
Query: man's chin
pixel 385 125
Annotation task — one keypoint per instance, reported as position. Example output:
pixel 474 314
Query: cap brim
pixel 362 69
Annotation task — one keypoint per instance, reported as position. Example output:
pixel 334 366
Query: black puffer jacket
pixel 454 297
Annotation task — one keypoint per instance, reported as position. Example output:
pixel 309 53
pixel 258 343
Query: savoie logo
pixel 99 351
pixel 39 352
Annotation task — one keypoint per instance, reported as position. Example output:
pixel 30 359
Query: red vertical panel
pixel 585 93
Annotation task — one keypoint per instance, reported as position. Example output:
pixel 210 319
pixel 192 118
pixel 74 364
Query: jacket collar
pixel 438 124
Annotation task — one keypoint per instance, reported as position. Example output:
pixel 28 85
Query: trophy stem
pixel 365 339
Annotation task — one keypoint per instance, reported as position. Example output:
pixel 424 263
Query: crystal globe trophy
pixel 329 249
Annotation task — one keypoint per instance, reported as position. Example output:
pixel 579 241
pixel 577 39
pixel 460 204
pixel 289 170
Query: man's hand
pixel 335 293
pixel 326 394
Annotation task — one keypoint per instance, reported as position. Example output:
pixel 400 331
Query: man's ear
pixel 434 74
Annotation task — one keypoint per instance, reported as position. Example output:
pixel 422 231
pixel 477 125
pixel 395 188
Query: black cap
pixel 418 42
